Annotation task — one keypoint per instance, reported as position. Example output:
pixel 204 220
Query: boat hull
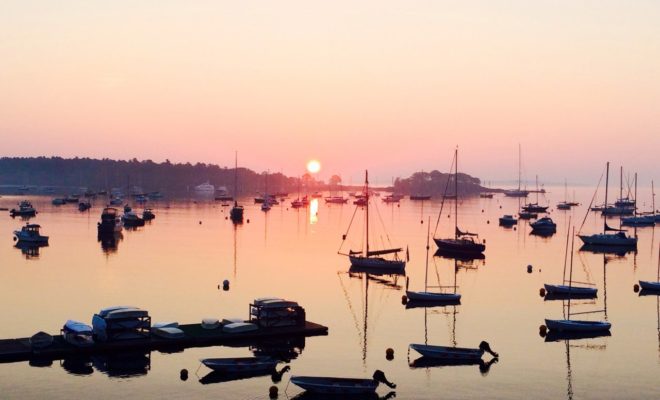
pixel 566 325
pixel 570 290
pixel 377 263
pixel 448 353
pixel 327 385
pixel 650 285
pixel 242 364
pixel 459 246
pixel 603 239
pixel 429 297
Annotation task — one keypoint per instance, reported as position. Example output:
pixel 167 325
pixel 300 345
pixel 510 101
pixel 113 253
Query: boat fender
pixel 635 288
pixel 529 269
pixel 542 292
pixel 379 376
pixel 404 299
pixel 543 330
pixel 14 238
pixel 389 354
pixel 273 392
pixel 486 347
pixel 421 221
pixel 225 284
pixel 183 374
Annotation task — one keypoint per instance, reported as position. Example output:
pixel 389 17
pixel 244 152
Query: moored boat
pixel 453 353
pixel 240 364
pixel 30 234
pixel 25 209
pixel 341 386
pixel 568 325
pixel 507 220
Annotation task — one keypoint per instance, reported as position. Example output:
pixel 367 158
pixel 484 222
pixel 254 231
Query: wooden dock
pixel 13 350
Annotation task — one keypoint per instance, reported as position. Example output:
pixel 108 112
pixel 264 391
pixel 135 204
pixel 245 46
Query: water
pixel 173 266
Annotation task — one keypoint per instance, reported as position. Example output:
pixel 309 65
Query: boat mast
pixel 570 281
pixel 607 180
pixel 236 178
pixel 366 196
pixel 635 208
pixel 519 166
pixel 621 183
pixel 426 273
pixel 456 193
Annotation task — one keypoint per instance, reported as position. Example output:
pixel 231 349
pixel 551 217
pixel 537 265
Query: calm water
pixel 172 267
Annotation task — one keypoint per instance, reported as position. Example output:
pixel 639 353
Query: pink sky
pixel 391 86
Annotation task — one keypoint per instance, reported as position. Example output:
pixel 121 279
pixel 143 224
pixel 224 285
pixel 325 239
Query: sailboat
pixel 638 220
pixel 563 290
pixel 236 213
pixel 622 206
pixel 426 296
pixel 569 325
pixel 517 192
pixel 609 239
pixel 462 242
pixel 368 258
pixel 266 204
pixel 565 205
pixel 535 207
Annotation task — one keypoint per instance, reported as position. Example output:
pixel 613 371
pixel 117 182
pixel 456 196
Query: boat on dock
pixel 77 334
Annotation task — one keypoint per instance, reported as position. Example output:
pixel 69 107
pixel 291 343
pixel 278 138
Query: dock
pixel 15 350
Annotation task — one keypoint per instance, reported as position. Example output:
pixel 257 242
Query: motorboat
pixel 421 197
pixel 508 220
pixel 148 214
pixel 131 219
pixel 25 209
pixel 84 205
pixel 58 201
pixel 639 220
pixel 341 386
pixel 336 200
pixel 453 353
pixel 77 333
pixel 222 194
pixel 240 364
pixel 563 206
pixel 205 188
pixel 527 215
pixel 545 224
pixel 110 222
pixel 30 234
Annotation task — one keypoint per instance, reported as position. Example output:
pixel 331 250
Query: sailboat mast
pixel 456 193
pixel 236 178
pixel 607 180
pixel 519 167
pixel 621 183
pixel 635 209
pixel 366 196
pixel 426 273
pixel 570 281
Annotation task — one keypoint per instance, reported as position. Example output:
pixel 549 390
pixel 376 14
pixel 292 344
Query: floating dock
pixel 13 350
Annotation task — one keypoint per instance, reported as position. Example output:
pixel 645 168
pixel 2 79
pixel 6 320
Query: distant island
pixel 62 175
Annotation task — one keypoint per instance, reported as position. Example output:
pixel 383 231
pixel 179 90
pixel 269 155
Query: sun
pixel 313 166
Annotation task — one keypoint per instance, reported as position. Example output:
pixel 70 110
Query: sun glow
pixel 313 166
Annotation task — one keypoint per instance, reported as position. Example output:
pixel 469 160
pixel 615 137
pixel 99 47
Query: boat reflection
pixel 80 365
pixel 426 362
pixel 285 349
pixel 620 251
pixel 30 250
pixel 319 396
pixel 123 365
pixel 110 243
pixel 220 377
pixel 460 257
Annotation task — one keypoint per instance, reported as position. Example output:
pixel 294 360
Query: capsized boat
pixel 240 364
pixel 30 234
pixel 77 333
pixel 341 386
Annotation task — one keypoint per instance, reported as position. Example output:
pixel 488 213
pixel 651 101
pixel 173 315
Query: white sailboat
pixel 369 258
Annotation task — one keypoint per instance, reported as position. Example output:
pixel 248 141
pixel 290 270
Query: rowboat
pixel 568 325
pixel 453 353
pixel 341 386
pixel 240 364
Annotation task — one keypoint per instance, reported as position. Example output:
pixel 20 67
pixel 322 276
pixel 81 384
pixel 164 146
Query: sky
pixel 389 86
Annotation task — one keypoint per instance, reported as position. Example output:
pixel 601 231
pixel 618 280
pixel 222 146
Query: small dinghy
pixel 453 353
pixel 240 364
pixel 431 297
pixel 341 386
pixel 77 333
pixel 41 340
pixel 567 290
pixel 568 325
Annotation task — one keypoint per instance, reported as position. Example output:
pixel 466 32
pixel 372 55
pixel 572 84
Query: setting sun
pixel 313 166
